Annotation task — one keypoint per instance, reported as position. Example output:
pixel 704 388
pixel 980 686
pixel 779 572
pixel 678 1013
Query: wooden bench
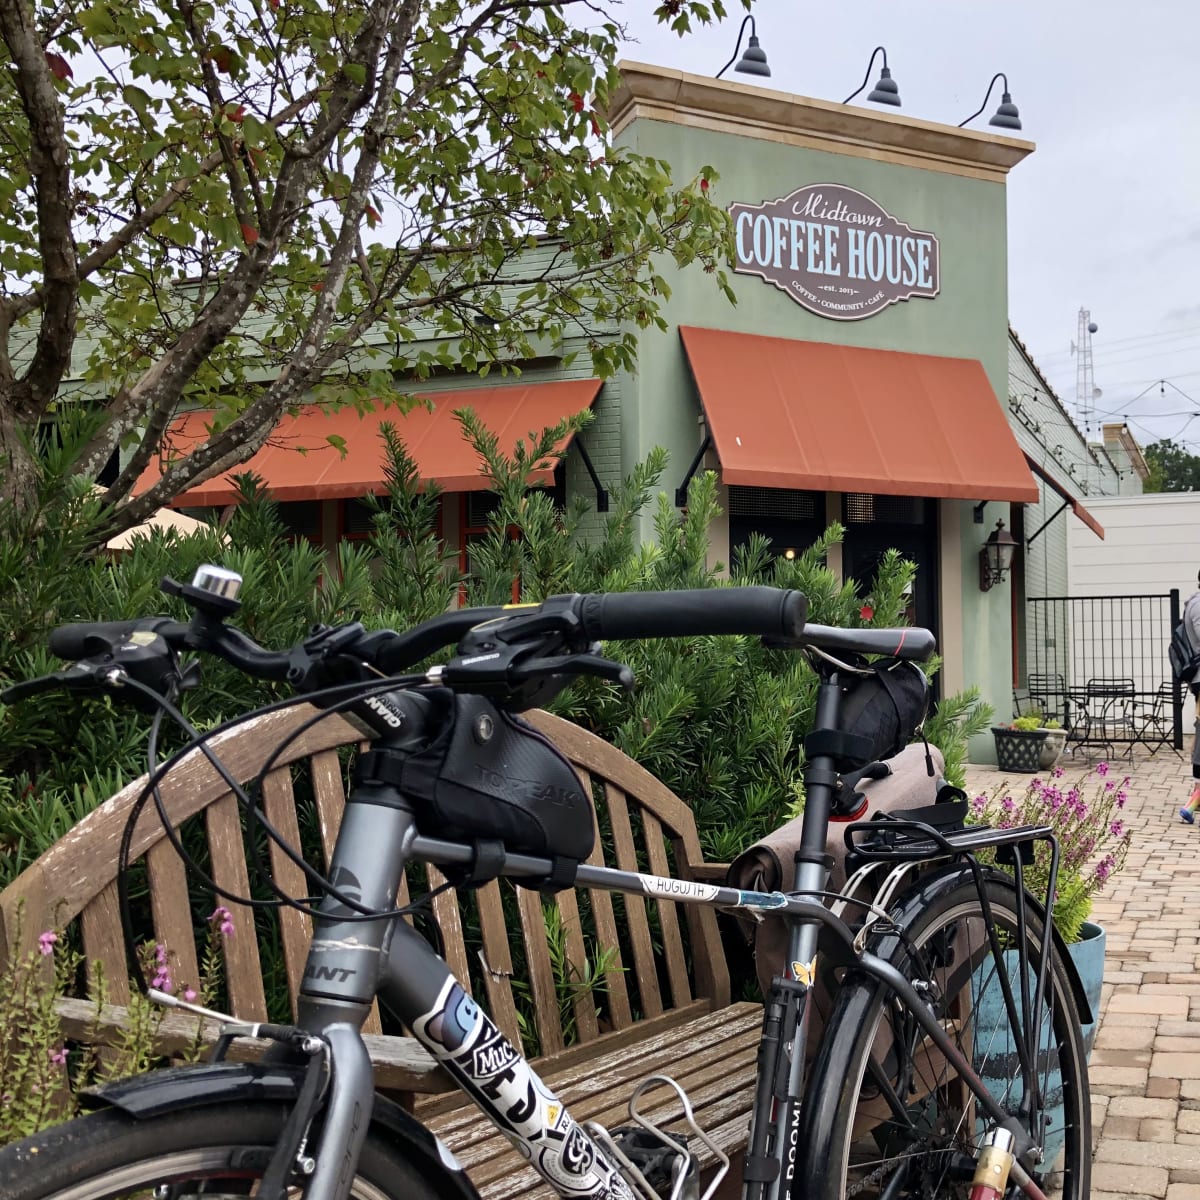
pixel 664 1000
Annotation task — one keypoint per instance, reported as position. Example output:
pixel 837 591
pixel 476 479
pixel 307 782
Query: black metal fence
pixel 1099 665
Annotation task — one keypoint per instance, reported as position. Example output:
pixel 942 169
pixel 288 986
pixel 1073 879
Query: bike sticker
pixel 762 900
pixel 677 889
pixel 463 1038
pixel 805 973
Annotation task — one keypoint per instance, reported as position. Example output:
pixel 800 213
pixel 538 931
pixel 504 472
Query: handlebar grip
pixel 84 638
pixel 757 611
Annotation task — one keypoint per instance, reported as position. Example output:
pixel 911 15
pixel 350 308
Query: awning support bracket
pixel 682 490
pixel 1053 517
pixel 601 491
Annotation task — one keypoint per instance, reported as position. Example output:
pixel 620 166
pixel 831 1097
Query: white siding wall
pixel 1151 545
pixel 1048 435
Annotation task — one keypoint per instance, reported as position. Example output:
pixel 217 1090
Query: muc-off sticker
pixel 465 1041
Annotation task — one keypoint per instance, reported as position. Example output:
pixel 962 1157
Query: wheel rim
pixel 933 1153
pixel 204 1173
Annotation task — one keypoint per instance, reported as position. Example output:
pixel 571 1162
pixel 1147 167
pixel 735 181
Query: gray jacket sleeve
pixel 1191 618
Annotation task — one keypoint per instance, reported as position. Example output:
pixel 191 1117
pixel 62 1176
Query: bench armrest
pixel 401 1063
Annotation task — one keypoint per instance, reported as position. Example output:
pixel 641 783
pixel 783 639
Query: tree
pixel 194 199
pixel 1172 468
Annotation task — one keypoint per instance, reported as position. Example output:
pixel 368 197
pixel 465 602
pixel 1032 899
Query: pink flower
pixel 46 942
pixel 58 1057
pixel 224 920
pixel 1117 828
pixel 1057 773
pixel 189 994
pixel 1102 768
pixel 162 981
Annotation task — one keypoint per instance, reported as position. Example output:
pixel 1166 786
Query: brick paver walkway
pixel 1145 1069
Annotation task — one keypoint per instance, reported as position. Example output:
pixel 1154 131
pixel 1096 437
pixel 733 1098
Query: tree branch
pixel 51 174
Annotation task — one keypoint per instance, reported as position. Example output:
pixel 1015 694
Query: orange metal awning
pixel 791 414
pixel 1077 508
pixel 300 463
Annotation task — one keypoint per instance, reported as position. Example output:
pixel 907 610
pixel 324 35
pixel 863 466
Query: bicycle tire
pixel 936 1151
pixel 108 1154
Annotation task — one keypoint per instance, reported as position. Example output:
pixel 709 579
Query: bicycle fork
pixel 775 1135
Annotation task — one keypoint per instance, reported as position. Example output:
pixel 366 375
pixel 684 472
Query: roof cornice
pixel 662 94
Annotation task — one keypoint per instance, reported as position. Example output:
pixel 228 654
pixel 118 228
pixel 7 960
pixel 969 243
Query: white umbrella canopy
pixel 163 518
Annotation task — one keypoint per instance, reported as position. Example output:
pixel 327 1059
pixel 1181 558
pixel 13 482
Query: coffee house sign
pixel 835 251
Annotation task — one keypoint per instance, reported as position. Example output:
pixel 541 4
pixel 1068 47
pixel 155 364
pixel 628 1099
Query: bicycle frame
pixel 350 962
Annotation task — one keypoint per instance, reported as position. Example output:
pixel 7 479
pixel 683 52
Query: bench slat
pixel 541 973
pixel 617 1007
pixel 449 919
pixel 635 908
pixel 497 961
pixel 330 796
pixel 172 913
pixel 668 914
pixel 243 968
pixel 582 1002
pixel 295 927
pixel 103 941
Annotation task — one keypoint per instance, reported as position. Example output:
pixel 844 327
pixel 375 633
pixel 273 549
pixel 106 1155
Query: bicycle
pixel 900 1100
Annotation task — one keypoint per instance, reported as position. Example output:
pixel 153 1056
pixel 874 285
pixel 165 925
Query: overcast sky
pixel 1105 215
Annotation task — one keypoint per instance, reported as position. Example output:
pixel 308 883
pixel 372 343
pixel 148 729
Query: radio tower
pixel 1085 382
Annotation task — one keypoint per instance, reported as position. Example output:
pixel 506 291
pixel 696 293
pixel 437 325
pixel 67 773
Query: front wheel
pixel 206 1154
pixel 887 1116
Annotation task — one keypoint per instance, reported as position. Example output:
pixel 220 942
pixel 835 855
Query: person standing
pixel 1191 622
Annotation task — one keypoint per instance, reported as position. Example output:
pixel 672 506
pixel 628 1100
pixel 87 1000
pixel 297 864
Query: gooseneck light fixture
pixel 1006 116
pixel 885 90
pixel 996 557
pixel 754 61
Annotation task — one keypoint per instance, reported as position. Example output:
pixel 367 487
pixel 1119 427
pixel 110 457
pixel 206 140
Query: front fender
pixel 205 1084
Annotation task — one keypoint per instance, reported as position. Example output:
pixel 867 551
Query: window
pixel 790 520
pixel 302 520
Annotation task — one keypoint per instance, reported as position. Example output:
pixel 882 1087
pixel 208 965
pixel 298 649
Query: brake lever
pixel 74 676
pixel 575 664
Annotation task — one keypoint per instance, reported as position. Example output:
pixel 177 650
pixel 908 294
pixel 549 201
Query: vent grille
pixel 863 508
pixel 777 504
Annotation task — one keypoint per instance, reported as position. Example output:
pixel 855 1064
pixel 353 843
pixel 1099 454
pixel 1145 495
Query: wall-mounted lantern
pixel 996 557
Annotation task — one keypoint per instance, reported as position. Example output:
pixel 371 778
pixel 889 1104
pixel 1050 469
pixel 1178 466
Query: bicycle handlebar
pixel 85 638
pixel 517 656
pixel 758 611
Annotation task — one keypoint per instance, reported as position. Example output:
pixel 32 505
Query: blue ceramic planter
pixel 996 1057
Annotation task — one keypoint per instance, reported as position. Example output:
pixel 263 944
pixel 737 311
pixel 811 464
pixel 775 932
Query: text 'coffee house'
pixel 835 251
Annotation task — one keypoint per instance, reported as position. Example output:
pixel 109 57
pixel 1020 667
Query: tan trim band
pixel 698 102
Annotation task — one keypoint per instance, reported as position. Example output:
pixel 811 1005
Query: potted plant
pixel 1055 741
pixel 1019 744
pixel 1093 839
